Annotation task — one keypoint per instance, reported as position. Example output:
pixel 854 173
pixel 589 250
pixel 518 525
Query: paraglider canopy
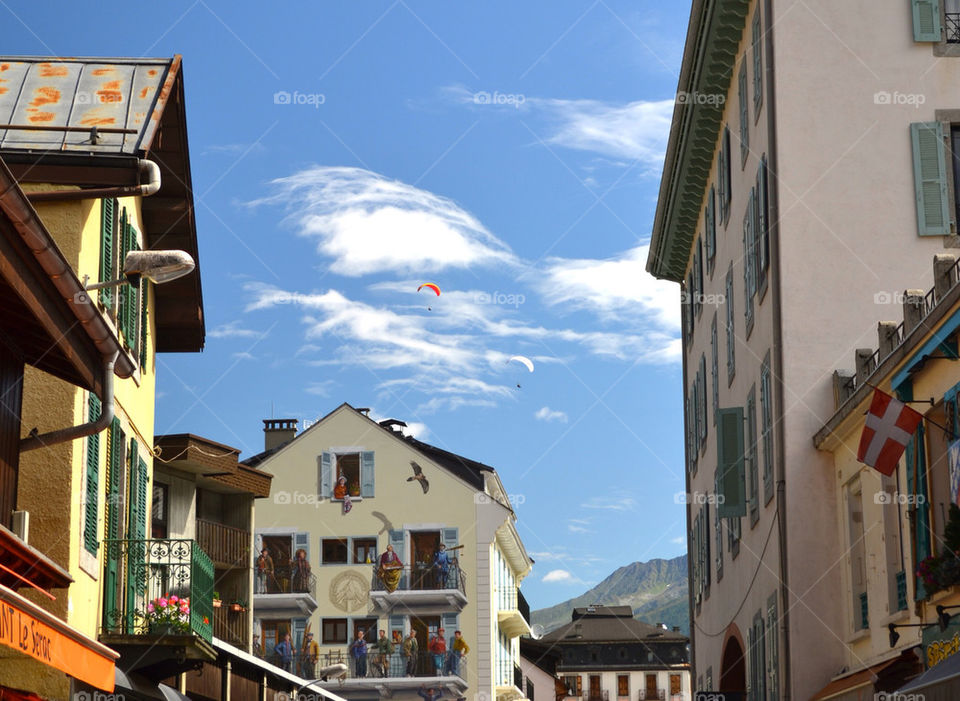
pixel 430 286
pixel 524 360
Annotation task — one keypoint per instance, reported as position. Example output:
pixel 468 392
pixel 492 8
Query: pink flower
pixel 150 608
pixel 174 599
pixel 162 603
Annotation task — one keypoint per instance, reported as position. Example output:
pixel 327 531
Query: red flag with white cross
pixel 889 427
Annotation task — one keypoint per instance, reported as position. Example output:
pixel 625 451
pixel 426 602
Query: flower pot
pixel 216 603
pixel 165 629
pixel 236 607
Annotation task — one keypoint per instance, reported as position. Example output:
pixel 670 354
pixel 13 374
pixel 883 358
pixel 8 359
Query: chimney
pixel 278 431
pixel 944 274
pixel 676 629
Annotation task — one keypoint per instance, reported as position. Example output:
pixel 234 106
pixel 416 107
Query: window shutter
pixel 715 366
pixel 751 448
pixel 706 543
pixel 325 469
pixel 744 111
pixel 450 537
pixel 926 20
pixel 696 558
pixel 930 178
pixel 299 627
pixel 367 474
pixel 396 624
pixel 703 399
pixel 761 228
pixel 108 215
pixel 722 179
pixel 772 651
pixel 131 294
pixel 730 461
pixel 450 623
pixel 302 540
pixel 122 291
pixel 142 342
pixel 133 504
pixel 731 350
pixel 757 63
pixel 114 465
pixel 395 538
pixel 766 413
pixel 711 227
pixel 90 540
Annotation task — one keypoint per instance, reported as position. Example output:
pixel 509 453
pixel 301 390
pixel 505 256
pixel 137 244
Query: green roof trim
pixel 713 40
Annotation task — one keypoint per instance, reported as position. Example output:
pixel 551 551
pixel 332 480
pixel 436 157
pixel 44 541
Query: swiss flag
pixel 890 425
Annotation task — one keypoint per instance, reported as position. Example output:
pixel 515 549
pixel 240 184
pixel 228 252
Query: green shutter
pixel 711 227
pixel 927 24
pixel 744 111
pixel 112 525
pixel 142 342
pixel 108 214
pixel 757 63
pixel 122 290
pixel 90 540
pixel 326 473
pixel 730 461
pixel 930 178
pixel 367 476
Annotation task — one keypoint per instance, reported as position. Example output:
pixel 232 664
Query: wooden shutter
pixel 695 550
pixel 749 257
pixel 108 215
pixel 703 399
pixel 396 624
pixel 771 637
pixel 111 568
pixel 722 178
pixel 715 366
pixel 930 179
pixel 730 461
pixel 92 492
pixel 744 111
pixel 142 342
pixel 123 295
pixel 710 224
pixel 761 223
pixel 731 340
pixel 299 626
pixel 751 448
pixel 450 623
pixel 325 474
pixel 705 524
pixel 927 20
pixel 367 476
pixel 757 62
pixel 766 422
pixel 450 537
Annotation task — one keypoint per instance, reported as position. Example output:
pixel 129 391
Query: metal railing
pixel 421 578
pixel 225 545
pixel 141 579
pixel 596 696
pixel 284 579
pixel 380 666
pixel 512 598
pixel 231 626
pixel 648 694
pixel 952 27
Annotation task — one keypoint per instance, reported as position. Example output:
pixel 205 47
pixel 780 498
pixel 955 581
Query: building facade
pixel 344 491
pixel 108 175
pixel 899 532
pixel 790 207
pixel 607 655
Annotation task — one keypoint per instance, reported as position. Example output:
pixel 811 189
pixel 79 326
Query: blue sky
pixel 345 152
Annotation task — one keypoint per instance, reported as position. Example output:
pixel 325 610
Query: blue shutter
pixel 299 627
pixel 730 461
pixel 450 537
pixel 450 622
pixel 302 540
pixel 325 468
pixel 90 540
pixel 396 540
pixel 927 25
pixel 367 476
pixel 930 178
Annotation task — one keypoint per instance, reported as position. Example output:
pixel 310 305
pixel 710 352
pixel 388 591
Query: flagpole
pixel 930 401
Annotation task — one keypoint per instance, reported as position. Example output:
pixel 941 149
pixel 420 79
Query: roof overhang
pixel 22 562
pixel 713 39
pixel 151 117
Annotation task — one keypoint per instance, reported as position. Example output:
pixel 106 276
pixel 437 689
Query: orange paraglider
pixel 430 286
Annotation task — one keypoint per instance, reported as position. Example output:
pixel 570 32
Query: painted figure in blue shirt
pixel 441 566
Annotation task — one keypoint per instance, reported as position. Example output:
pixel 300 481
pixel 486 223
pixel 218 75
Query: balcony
pixel 231 626
pixel 389 673
pixel 283 593
pixel 143 613
pixel 513 614
pixel 597 696
pixel 952 27
pixel 509 681
pixel 226 546
pixel 420 590
pixel 651 694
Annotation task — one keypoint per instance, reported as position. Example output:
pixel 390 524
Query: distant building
pixel 344 491
pixel 607 655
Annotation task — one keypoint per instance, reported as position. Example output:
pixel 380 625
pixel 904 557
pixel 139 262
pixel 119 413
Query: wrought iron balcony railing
pixel 226 546
pixel 952 27
pixel 376 665
pixel 651 694
pixel 284 579
pixel 419 578
pixel 146 583
pixel 596 696
pixel 512 598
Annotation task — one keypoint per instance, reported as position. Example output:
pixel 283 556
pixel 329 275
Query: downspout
pixel 773 202
pixel 39 440
pixel 149 178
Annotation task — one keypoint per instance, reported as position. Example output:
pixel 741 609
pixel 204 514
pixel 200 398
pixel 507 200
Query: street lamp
pixel 157 266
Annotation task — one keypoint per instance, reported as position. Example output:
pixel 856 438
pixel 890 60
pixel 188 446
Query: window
pixel 710 220
pixel 354 466
pixel 160 514
pixel 714 367
pixel 723 176
pixel 757 658
pixel 761 228
pixel 623 685
pixel 766 428
pixel 333 551
pixel 364 550
pixel 744 112
pixel 91 508
pixel 698 279
pixel 573 685
pixel 757 44
pixel 348 466
pixel 749 252
pixel 334 631
pixel 731 350
pixel 529 695
pixel 857 554
pixel 751 446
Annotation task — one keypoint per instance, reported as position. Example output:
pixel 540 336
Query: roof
pixel 466 469
pixel 713 38
pixel 609 624
pixel 212 461
pixel 137 108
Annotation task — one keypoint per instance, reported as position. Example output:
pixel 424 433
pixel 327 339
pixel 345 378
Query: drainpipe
pixel 39 440
pixel 149 177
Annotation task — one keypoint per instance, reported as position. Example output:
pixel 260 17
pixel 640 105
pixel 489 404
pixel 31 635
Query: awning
pixel 54 643
pixel 847 686
pixel 938 683
pixel 172 694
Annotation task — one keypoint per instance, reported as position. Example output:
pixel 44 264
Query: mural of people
pixel 384 648
pixel 311 653
pixel 264 571
pixel 438 648
pixel 431 694
pixel 390 569
pixel 340 491
pixel 458 651
pixel 410 647
pixel 300 569
pixel 284 651
pixel 441 566
pixel 358 650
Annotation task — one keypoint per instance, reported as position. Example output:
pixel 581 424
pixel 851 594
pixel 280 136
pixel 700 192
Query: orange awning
pixel 853 681
pixel 36 633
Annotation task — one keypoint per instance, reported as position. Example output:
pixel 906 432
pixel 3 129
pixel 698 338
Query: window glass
pixel 333 550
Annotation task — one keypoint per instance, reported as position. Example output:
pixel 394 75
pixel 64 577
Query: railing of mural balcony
pixel 158 569
pixel 225 545
pixel 425 578
pixel 393 666
pixel 284 580
pixel 231 626
pixel 953 27
pixel 659 694
pixel 901 591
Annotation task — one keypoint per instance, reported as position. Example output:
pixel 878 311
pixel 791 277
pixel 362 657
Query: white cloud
pixel 233 329
pixel 613 288
pixel 321 389
pixel 548 414
pixel 679 540
pixel 611 503
pixel 367 223
pixel 559 576
pixel 243 355
pixel 417 429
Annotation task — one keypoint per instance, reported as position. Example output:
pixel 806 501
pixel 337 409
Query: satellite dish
pixel 536 630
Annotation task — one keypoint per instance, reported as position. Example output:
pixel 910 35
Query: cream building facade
pixel 807 178
pixel 343 532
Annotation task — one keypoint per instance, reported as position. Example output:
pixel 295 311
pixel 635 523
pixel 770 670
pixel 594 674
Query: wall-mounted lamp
pixel 157 266
pixel 895 636
pixel 943 618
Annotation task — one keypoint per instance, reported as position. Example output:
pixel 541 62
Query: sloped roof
pixel 466 469
pixel 609 624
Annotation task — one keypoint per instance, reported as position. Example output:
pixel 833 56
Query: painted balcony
pixel 282 593
pixel 145 584
pixel 420 589
pixel 513 613
pixel 389 673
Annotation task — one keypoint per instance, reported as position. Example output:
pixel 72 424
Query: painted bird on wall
pixel 419 477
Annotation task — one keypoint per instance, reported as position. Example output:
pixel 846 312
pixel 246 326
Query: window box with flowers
pixel 169 615
pixel 939 572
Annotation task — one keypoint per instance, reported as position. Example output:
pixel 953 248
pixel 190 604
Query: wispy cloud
pixel 679 540
pixel 233 149
pixel 611 503
pixel 233 329
pixel 548 414
pixel 579 525
pixel 367 223
pixel 563 576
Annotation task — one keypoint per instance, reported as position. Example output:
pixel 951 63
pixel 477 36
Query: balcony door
pixel 11 390
pixel 424 627
pixel 594 686
pixel 652 691
pixel 423 545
